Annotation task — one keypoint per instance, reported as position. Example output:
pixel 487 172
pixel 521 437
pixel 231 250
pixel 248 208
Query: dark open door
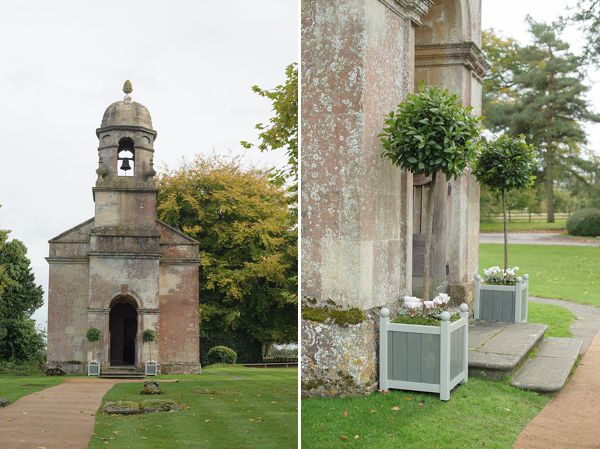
pixel 123 330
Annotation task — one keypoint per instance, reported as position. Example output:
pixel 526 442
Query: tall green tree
pixel 282 132
pixel 546 102
pixel 21 297
pixel 249 251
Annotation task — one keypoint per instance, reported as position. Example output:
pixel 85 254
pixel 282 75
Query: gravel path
pixel 571 419
pixel 57 417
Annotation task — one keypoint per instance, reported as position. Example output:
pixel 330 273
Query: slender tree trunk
pixel 550 185
pixel 428 239
pixel 505 232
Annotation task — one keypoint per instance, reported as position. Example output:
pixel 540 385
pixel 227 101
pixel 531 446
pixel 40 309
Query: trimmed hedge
pixel 584 222
pixel 248 349
pixel 221 354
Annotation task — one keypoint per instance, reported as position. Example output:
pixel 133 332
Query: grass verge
pixel 480 413
pixel 560 272
pixel 14 384
pixel 557 318
pixel 236 407
pixel 559 225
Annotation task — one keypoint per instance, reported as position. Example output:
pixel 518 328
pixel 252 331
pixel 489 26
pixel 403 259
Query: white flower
pixel 429 304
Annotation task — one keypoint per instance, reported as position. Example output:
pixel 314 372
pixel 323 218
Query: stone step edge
pixel 560 366
pixel 499 371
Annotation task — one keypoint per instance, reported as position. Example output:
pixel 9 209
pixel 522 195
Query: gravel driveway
pixel 533 238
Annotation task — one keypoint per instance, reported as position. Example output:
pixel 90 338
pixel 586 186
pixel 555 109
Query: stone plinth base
pixel 460 293
pixel 54 368
pixel 179 368
pixel 339 361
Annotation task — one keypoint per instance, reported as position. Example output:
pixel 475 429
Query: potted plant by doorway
pixel 150 367
pixel 93 335
pixel 505 164
pixel 431 133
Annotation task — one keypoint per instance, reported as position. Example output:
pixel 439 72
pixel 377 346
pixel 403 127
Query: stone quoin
pixel 123 271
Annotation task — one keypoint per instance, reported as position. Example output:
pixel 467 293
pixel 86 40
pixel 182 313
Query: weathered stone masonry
pixel 124 271
pixel 359 60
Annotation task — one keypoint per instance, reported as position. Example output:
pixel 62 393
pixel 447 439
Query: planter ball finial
pixel 477 277
pixel 445 316
pixel 464 307
pixel 519 280
pixel 526 277
pixel 385 312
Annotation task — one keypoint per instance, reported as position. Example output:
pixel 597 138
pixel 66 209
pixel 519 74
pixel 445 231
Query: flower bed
pixel 505 300
pixel 424 358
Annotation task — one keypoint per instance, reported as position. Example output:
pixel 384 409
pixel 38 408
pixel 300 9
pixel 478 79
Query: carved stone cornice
pixel 467 54
pixel 98 310
pixel 412 10
pixel 148 311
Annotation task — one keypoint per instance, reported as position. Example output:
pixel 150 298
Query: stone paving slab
pixel 496 348
pixel 548 370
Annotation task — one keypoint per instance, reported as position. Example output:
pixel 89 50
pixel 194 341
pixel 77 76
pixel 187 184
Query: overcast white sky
pixel 62 63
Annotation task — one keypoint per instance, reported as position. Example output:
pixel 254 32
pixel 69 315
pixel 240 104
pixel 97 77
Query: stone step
pixel 497 348
pixel 113 374
pixel 548 370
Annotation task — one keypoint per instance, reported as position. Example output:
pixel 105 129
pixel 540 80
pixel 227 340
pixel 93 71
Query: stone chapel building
pixel 123 271
pixel 363 220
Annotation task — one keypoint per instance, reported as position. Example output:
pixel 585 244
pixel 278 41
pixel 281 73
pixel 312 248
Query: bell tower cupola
pixel 126 145
pixel 125 191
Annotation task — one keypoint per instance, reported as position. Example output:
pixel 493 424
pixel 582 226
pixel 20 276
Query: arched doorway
pixel 123 333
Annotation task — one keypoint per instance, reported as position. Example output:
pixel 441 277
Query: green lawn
pixel 557 318
pixel 479 413
pixel 571 273
pixel 260 410
pixel 559 225
pixel 14 385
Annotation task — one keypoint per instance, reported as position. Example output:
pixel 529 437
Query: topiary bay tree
pixel 506 164
pixel 431 132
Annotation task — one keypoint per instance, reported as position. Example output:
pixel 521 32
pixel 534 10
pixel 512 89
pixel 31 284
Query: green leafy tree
pixel 282 132
pixel 248 249
pixel 545 100
pixel 148 336
pixel 431 132
pixel 504 165
pixel 20 298
pixel 93 335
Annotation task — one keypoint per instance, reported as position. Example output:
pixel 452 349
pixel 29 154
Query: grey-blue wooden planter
pixel 501 302
pixel 93 368
pixel 424 358
pixel 150 369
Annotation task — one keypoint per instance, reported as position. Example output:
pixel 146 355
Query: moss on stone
pixel 422 320
pixel 341 317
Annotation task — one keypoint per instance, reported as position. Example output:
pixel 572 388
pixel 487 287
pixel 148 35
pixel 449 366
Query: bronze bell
pixel 125 165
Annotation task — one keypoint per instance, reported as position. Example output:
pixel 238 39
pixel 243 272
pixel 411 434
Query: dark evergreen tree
pixel 21 297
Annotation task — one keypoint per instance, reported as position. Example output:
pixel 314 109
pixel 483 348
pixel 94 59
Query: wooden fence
pixel 523 217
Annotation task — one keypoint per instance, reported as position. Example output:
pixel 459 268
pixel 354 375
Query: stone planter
pixel 93 368
pixel 424 358
pixel 151 368
pixel 501 302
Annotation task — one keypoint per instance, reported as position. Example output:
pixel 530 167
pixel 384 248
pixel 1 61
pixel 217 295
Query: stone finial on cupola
pixel 127 88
